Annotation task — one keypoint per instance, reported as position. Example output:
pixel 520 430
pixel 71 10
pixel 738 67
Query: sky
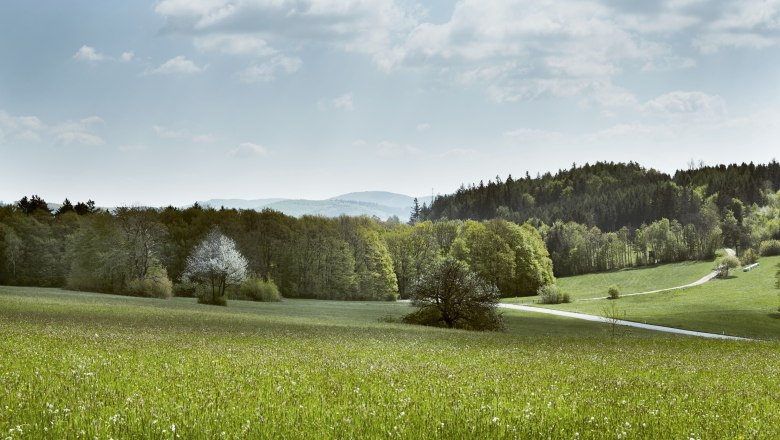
pixel 172 101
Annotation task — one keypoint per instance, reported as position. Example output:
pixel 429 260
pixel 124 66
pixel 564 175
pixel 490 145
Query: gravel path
pixel 703 280
pixel 602 319
pixel 659 328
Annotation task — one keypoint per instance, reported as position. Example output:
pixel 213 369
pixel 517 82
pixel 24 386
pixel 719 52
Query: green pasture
pixel 636 280
pixel 745 304
pixel 81 365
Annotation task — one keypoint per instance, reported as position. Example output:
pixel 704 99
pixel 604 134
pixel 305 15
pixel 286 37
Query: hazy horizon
pixel 168 102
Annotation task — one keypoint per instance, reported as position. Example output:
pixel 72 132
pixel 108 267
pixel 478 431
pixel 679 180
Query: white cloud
pixel 178 65
pixel 710 43
pixel 423 126
pixel 168 133
pixel 88 53
pixel 91 55
pixel 366 26
pixel 668 63
pixel 249 149
pixel 192 8
pixel 270 70
pixel 234 44
pixel 20 122
pixel 23 128
pixel 81 132
pixel 516 49
pixel 92 120
pixel 77 136
pixel 29 136
pixel 691 104
pixel 31 122
pixel 749 15
pixel 344 102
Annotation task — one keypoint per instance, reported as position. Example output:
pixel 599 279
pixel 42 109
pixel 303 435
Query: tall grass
pixel 85 369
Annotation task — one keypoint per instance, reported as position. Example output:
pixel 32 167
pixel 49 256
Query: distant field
pixel 80 365
pixel 636 280
pixel 745 304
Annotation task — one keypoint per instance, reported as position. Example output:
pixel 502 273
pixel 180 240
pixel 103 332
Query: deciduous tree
pixel 450 295
pixel 216 264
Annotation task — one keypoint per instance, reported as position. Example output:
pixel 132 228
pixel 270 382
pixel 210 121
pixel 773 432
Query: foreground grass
pixel 76 365
pixel 745 304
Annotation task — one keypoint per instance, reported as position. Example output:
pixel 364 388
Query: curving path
pixel 659 328
pixel 703 280
pixel 602 319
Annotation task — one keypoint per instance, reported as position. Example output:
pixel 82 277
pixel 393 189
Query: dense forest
pixel 514 234
pixel 611 215
pixel 141 250
pixel 609 195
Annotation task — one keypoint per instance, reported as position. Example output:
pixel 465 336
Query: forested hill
pixel 608 195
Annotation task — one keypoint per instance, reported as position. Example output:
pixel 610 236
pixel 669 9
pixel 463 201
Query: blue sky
pixel 171 101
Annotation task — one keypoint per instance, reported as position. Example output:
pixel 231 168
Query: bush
pixel 613 292
pixel 748 257
pixel 725 264
pixel 551 294
pixel 257 289
pixel 156 284
pixel 185 289
pixel 769 248
pixel 205 298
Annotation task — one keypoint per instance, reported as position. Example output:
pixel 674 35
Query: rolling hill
pixel 380 204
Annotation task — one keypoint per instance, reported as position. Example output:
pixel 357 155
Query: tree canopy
pixel 215 264
pixel 450 295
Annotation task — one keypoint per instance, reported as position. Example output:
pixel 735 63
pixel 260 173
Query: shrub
pixel 156 284
pixel 769 248
pixel 185 289
pixel 257 289
pixel 204 297
pixel 613 292
pixel 551 294
pixel 748 257
pixel 725 264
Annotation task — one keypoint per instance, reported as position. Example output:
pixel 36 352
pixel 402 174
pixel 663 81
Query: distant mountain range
pixel 371 203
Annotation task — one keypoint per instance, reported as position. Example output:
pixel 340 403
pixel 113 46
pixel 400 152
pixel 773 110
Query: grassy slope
pixel 745 304
pixel 635 280
pixel 84 365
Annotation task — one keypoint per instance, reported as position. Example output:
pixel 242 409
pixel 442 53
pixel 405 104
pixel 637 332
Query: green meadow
pixel 745 304
pixel 595 285
pixel 83 365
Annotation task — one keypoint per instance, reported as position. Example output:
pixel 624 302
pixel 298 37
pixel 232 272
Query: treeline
pixel 609 216
pixel 608 195
pixel 143 251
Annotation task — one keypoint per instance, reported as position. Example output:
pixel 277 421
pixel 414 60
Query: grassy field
pixel 79 365
pixel 745 304
pixel 632 280
pixel 636 280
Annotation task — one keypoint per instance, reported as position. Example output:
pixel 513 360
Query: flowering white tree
pixel 217 263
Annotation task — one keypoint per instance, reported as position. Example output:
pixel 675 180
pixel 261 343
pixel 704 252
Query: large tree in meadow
pixel 216 264
pixel 450 295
